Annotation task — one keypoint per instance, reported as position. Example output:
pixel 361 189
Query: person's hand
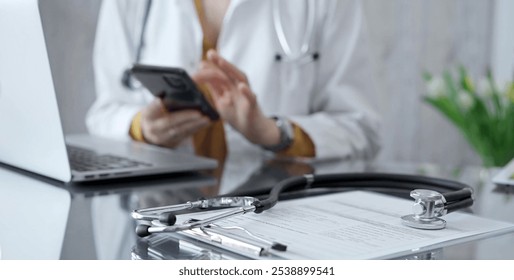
pixel 234 100
pixel 169 129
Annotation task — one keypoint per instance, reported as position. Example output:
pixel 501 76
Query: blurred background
pixel 407 37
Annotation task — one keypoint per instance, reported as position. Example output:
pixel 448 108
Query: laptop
pixel 31 134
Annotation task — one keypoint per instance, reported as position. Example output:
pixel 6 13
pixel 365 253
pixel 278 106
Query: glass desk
pixel 45 219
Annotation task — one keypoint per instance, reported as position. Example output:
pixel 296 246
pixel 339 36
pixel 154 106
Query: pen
pixel 226 242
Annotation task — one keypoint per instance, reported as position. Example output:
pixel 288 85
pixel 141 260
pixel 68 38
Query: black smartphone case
pixel 174 86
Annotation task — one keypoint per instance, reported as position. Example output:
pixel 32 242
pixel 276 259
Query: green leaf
pixel 450 84
pixel 465 80
pixel 495 93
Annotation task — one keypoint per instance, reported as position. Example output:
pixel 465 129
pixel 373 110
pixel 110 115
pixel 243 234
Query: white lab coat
pixel 329 98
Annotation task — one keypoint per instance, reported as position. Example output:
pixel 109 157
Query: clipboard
pixel 348 225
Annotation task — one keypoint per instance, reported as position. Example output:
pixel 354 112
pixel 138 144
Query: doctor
pixel 288 77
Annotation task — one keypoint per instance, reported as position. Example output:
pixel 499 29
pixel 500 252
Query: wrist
pixel 285 136
pixel 263 132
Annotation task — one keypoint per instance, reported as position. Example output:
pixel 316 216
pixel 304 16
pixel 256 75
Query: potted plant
pixel 483 112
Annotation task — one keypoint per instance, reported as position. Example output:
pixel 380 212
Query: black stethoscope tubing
pixel 127 79
pixel 456 194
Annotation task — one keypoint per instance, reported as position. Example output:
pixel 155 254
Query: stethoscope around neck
pixel 433 198
pixel 286 55
pixel 304 55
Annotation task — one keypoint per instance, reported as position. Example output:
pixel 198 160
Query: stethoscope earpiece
pixel 168 219
pixel 165 220
pixel 142 230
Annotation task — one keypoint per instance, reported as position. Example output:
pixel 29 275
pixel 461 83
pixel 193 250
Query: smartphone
pixel 174 86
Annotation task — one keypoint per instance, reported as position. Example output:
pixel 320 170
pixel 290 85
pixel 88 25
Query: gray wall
pixel 407 36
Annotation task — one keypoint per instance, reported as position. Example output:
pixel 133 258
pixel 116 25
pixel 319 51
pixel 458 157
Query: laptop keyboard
pixel 87 160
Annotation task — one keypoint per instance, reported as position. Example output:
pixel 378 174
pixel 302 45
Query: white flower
pixel 464 100
pixel 484 88
pixel 502 85
pixel 436 87
pixel 485 91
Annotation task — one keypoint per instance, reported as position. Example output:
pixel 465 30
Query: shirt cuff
pixel 302 145
pixel 135 128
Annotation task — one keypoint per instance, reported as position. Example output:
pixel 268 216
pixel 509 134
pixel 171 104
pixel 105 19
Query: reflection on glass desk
pixel 99 226
pixel 170 247
pixel 33 217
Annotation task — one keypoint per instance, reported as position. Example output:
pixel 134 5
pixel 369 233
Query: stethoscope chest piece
pixel 421 223
pixel 427 208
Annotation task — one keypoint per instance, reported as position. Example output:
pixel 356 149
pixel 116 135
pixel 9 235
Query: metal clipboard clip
pixel 220 237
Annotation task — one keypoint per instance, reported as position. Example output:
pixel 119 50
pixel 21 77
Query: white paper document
pixel 349 225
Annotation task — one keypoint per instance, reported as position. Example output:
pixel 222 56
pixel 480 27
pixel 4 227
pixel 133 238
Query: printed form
pixel 348 225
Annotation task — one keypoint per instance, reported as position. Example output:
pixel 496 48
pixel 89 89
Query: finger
pixel 189 128
pixel 216 92
pixel 231 70
pixel 222 98
pixel 211 74
pixel 176 118
pixel 244 89
pixel 217 80
pixel 157 130
pixel 154 110
pixel 247 92
pixel 223 90
pixel 171 136
pixel 213 77
pixel 177 134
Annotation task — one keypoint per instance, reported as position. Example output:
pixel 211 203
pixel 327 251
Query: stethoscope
pixel 303 56
pixel 433 198
pixel 127 79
